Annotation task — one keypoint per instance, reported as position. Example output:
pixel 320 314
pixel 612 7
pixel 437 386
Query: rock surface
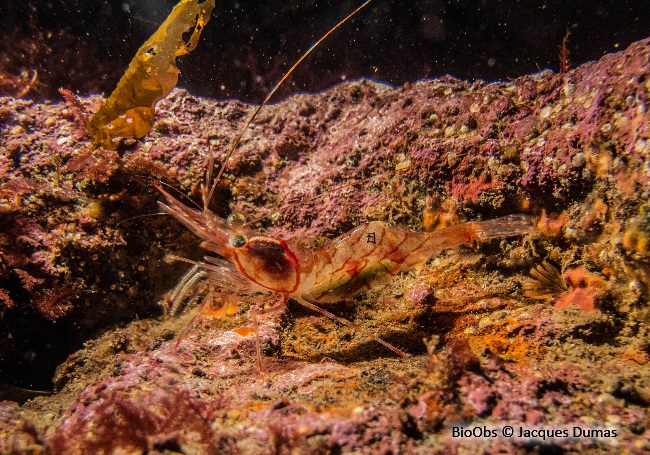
pixel 566 347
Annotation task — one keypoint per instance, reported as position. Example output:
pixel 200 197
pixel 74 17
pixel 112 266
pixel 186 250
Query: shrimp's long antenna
pixel 212 184
pixel 303 301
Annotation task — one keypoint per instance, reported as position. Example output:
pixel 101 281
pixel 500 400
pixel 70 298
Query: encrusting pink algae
pixel 570 149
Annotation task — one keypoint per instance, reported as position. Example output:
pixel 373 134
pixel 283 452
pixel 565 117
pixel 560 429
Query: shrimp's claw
pixel 505 226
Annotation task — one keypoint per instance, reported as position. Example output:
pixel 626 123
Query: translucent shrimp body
pixel 372 253
pixel 359 260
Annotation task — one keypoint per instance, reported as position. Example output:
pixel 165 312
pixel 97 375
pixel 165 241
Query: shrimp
pixel 364 258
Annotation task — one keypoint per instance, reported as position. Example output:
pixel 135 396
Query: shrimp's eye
pixel 237 240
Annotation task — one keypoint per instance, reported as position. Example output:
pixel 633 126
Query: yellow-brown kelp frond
pixel 151 75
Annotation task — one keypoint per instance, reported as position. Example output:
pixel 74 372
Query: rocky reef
pixel 541 334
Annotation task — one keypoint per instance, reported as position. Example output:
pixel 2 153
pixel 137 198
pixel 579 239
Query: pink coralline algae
pixel 491 343
pixel 479 394
pixel 169 400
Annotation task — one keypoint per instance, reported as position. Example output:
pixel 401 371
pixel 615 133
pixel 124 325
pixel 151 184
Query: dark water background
pixel 248 44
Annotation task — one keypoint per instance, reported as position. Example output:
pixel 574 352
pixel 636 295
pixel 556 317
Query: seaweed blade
pixel 151 75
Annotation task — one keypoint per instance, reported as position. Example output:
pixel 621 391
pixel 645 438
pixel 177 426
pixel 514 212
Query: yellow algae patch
pixel 636 240
pixel 552 225
pixel 228 309
pixel 151 75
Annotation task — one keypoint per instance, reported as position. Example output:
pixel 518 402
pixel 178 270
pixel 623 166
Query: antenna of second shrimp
pixel 208 178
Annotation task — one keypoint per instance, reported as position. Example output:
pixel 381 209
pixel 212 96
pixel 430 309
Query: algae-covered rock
pixel 569 149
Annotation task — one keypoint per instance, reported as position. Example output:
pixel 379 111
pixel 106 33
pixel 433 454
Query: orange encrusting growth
pixel 585 292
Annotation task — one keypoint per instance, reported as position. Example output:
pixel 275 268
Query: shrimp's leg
pixel 207 301
pixel 303 301
pixel 255 312
pixel 182 289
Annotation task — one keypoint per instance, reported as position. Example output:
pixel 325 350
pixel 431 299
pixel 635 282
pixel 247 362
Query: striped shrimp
pixel 364 258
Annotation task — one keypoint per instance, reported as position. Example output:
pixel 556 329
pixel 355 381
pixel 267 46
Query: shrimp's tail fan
pixel 505 227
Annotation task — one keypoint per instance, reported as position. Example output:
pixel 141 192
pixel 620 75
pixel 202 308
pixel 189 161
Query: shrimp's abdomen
pixel 370 254
pixel 361 259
